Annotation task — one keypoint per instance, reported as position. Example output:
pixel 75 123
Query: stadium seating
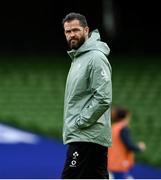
pixel 32 91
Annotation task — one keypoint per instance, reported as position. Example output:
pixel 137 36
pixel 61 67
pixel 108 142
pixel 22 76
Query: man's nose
pixel 72 34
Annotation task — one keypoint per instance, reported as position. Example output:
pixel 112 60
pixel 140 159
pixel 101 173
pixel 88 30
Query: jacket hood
pixel 92 43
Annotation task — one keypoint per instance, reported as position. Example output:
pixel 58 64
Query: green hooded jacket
pixel 88 94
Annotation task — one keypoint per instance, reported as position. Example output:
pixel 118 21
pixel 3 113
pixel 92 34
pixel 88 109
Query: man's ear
pixel 87 31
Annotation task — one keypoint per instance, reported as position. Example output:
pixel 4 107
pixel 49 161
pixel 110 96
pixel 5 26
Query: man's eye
pixel 75 30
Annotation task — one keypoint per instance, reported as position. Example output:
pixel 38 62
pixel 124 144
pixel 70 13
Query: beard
pixel 76 43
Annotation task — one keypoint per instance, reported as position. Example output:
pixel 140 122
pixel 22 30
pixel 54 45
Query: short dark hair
pixel 119 113
pixel 72 16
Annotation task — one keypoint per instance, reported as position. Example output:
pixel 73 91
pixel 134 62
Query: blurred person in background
pixel 87 103
pixel 121 154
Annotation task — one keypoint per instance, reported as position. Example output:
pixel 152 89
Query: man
pixel 122 161
pixel 87 103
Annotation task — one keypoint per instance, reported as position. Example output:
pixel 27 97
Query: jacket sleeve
pixel 101 92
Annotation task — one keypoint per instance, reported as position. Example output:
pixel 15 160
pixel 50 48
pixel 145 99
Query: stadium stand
pixel 32 90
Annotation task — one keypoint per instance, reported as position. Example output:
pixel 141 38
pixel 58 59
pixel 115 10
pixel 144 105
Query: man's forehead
pixel 72 24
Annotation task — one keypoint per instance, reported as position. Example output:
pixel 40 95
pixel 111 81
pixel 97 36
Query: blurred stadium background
pixel 34 65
